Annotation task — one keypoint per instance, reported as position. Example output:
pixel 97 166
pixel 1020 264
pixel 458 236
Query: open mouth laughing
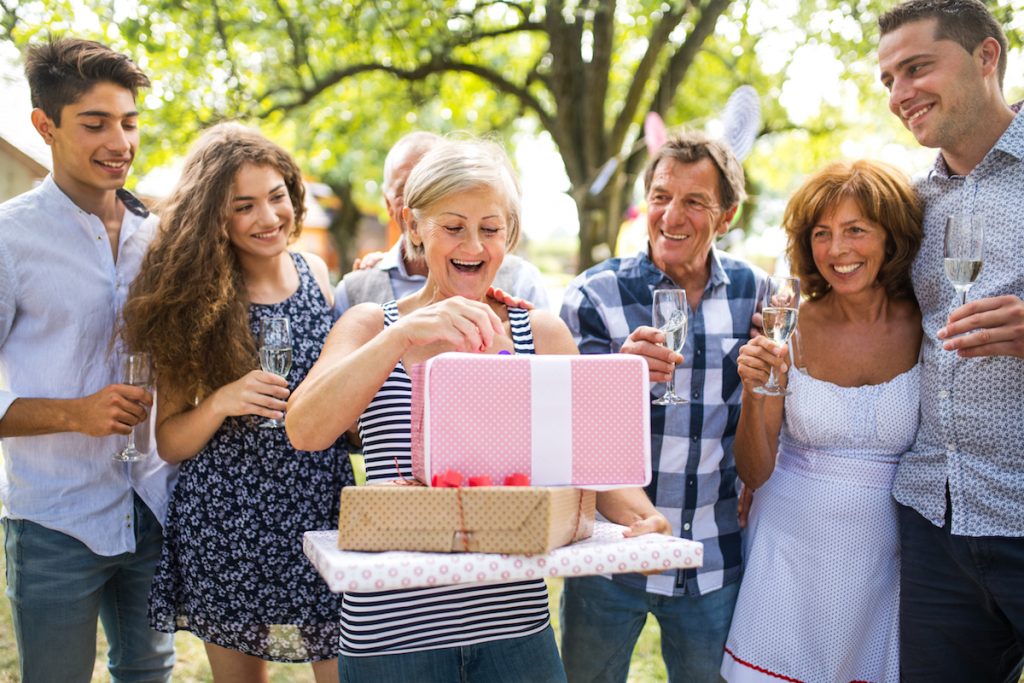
pixel 466 266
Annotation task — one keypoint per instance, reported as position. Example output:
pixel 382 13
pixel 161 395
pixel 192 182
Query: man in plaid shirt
pixel 694 186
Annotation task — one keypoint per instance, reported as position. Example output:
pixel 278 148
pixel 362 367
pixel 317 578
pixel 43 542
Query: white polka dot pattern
pixel 610 431
pixel 606 552
pixel 480 423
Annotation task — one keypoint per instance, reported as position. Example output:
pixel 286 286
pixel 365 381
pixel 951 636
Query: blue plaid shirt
pixel 694 482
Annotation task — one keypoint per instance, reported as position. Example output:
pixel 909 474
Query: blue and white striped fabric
pixel 395 622
pixel 694 482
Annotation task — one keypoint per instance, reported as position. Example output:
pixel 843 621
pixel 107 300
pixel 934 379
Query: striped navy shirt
pixel 398 621
pixel 694 472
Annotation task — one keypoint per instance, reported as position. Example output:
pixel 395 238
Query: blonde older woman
pixel 462 210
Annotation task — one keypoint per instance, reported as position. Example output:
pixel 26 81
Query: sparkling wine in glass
pixel 779 316
pixel 137 370
pixel 962 251
pixel 275 354
pixel 670 316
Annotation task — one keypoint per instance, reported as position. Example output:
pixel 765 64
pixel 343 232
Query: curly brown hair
pixel 884 196
pixel 189 307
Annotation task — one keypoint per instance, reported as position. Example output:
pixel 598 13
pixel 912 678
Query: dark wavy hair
pixel 61 70
pixel 884 196
pixel 967 22
pixel 188 307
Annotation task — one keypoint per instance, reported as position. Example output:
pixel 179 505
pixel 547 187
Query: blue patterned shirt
pixel 972 421
pixel 694 482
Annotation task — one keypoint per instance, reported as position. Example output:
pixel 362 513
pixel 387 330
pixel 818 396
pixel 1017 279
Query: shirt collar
pixel 393 258
pixel 52 192
pixel 1011 142
pixel 655 276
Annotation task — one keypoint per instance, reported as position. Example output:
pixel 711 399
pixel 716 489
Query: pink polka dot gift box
pixel 562 420
pixel 605 552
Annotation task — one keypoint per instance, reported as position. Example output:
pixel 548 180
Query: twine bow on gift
pixel 453 479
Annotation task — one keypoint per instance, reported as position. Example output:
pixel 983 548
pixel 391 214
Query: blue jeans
pixel 602 619
pixel 530 659
pixel 961 604
pixel 58 587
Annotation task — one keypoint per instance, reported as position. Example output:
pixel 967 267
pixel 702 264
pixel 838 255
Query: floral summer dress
pixel 232 570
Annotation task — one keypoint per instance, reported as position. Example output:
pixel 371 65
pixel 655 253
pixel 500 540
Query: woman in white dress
pixel 820 593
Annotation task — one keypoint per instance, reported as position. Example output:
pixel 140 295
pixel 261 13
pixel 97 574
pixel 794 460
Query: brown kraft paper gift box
pixel 487 519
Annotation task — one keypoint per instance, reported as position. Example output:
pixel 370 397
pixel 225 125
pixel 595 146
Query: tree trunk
pixel 344 226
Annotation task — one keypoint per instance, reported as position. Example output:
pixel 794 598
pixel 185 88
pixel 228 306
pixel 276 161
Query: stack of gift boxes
pixel 511 450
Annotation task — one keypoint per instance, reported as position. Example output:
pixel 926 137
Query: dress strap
pixel 522 331
pixel 390 312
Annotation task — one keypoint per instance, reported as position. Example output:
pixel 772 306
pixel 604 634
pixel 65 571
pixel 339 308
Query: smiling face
pixel 684 216
pixel 464 240
pixel 936 88
pixel 262 216
pixel 95 144
pixel 848 249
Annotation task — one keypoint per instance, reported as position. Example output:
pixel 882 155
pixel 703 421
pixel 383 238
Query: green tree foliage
pixel 338 81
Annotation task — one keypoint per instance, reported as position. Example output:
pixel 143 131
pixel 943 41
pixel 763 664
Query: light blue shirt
pixel 528 284
pixel 61 295
pixel 971 437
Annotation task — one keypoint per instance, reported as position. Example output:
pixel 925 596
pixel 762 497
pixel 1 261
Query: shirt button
pixel 943 393
pixel 696 395
pixel 698 352
pixel 686 527
pixel 695 438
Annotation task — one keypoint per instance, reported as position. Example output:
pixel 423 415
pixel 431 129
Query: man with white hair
pixel 399 272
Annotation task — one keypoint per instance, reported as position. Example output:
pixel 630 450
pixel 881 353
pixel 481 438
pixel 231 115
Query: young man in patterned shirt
pixel 961 486
pixel 694 186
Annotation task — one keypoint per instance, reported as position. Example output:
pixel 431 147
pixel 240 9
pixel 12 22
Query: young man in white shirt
pixel 82 532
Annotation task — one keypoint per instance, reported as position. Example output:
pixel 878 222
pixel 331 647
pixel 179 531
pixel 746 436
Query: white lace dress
pixel 820 593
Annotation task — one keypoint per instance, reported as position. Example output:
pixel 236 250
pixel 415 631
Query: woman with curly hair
pixel 820 592
pixel 232 570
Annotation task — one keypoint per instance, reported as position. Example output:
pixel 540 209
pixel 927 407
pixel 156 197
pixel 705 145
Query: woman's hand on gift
pixel 654 523
pixel 757 357
pixel 459 323
pixel 256 393
pixel 649 343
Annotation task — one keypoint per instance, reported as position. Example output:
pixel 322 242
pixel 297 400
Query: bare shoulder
pixel 358 325
pixel 321 274
pixel 550 334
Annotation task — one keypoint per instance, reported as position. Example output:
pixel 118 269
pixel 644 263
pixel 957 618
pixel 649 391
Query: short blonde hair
pixel 454 166
pixel 883 194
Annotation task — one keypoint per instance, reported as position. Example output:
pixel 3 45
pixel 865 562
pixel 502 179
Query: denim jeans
pixel 58 587
pixel 602 619
pixel 961 604
pixel 529 659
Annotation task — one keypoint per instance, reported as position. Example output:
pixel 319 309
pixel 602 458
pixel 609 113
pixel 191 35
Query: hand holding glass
pixel 137 371
pixel 670 316
pixel 962 251
pixel 779 315
pixel 275 353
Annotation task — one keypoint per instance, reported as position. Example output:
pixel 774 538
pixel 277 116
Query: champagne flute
pixel 275 354
pixel 962 251
pixel 779 315
pixel 670 316
pixel 137 370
